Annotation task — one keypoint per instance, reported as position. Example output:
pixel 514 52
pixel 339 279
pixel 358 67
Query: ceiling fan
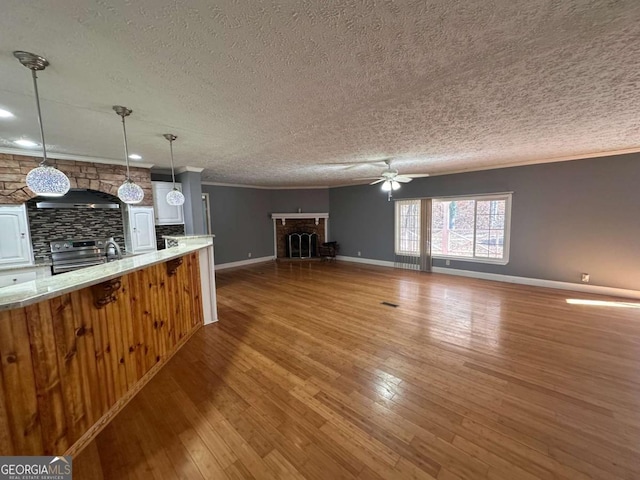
pixel 391 179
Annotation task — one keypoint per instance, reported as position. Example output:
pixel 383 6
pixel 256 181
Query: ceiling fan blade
pixel 417 175
pixel 378 181
pixel 358 165
pixel 402 179
pixel 366 178
pixel 375 163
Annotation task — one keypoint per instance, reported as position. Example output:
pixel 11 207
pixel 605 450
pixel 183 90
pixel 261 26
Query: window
pixel 408 227
pixel 474 228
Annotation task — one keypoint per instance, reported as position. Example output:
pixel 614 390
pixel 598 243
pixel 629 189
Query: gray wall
pixel 567 218
pixel 241 217
pixel 308 200
pixel 192 189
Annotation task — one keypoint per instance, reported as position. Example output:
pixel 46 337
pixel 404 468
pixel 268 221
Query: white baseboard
pixel 370 261
pixel 496 277
pixel 539 282
pixel 242 263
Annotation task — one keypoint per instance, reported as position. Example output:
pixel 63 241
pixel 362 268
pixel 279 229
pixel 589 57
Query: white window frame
pixel 397 206
pixel 507 228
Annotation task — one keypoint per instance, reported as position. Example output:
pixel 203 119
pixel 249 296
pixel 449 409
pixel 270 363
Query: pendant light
pixel 175 196
pixel 44 180
pixel 129 192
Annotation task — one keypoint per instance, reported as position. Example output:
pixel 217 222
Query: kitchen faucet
pixel 116 248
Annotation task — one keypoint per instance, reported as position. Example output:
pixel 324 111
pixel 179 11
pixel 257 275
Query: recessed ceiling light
pixel 25 143
pixel 135 156
pixel 5 113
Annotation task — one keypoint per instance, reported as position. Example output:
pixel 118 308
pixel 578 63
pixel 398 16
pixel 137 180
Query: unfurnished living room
pixel 297 239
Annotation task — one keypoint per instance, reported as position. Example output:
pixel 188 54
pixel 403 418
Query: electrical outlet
pixel 359 253
pixel 249 254
pixel 447 262
pixel 585 278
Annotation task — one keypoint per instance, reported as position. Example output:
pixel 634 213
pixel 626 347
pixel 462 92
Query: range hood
pixel 80 199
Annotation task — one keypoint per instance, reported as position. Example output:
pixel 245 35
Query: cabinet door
pixel 143 230
pixel 14 277
pixel 15 243
pixel 166 214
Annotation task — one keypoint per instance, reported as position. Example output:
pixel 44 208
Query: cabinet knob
pixel 15 279
pixel 22 235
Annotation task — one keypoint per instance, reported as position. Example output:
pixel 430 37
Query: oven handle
pixel 75 266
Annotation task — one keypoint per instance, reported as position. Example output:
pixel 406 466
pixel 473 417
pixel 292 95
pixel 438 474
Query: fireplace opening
pixel 302 245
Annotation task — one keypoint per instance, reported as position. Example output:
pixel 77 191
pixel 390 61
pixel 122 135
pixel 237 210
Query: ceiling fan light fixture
pixel 395 185
pixel 129 192
pixel 44 180
pixel 174 197
pixel 386 186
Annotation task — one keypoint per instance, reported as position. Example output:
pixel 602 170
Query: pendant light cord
pixel 126 148
pixel 44 146
pixel 173 175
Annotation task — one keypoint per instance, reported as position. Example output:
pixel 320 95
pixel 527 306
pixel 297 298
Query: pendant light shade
pixel 175 196
pixel 44 180
pixel 47 181
pixel 129 192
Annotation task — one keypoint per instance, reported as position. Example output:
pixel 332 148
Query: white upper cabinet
pixel 15 243
pixel 166 214
pixel 140 230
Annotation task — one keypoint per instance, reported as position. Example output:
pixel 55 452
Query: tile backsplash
pixel 52 223
pixel 167 230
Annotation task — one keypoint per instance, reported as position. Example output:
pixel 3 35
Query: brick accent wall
pixel 94 176
pixel 302 225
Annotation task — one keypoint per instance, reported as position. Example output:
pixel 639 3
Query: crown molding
pixel 566 158
pixel 75 158
pixel 262 187
pixel 188 169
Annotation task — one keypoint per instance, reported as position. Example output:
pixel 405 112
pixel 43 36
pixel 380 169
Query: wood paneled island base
pixel 70 363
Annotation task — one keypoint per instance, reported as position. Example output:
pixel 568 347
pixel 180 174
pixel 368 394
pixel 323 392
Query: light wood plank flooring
pixel 308 376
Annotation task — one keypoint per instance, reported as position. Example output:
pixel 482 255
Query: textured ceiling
pixel 266 92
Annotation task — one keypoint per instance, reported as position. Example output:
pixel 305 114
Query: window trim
pixel 507 228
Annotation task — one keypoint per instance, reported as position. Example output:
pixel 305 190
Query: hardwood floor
pixel 308 376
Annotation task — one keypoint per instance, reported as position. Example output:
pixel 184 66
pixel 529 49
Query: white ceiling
pixel 265 92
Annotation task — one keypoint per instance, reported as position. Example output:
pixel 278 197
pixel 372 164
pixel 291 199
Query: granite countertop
pixel 27 293
pixel 187 237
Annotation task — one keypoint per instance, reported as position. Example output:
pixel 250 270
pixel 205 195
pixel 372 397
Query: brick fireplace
pixel 285 224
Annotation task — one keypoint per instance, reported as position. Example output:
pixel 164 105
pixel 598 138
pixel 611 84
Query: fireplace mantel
pixel 294 216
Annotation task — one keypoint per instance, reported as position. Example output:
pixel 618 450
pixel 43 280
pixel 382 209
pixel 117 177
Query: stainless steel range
pixel 72 254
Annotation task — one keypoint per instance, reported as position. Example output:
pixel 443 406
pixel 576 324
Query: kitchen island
pixel 76 347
